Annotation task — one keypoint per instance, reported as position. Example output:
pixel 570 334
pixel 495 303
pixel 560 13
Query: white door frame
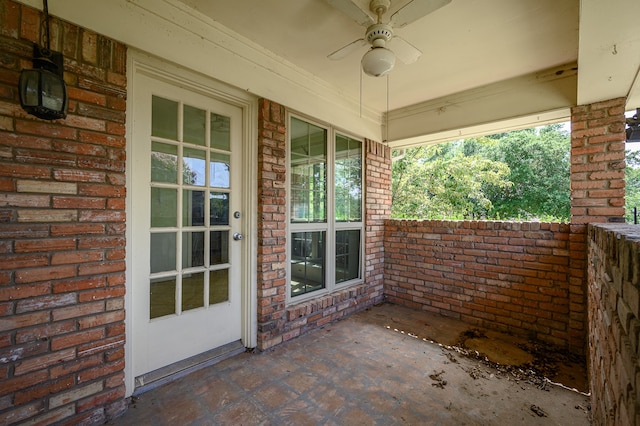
pixel 137 63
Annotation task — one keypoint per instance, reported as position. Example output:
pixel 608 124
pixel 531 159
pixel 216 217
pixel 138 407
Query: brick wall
pixel 278 322
pixel 508 276
pixel 614 323
pixel 62 236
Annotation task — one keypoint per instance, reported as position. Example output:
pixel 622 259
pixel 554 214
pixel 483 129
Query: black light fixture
pixel 42 90
pixel 633 129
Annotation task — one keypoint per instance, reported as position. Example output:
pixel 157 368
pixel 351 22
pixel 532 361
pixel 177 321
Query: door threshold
pixel 177 370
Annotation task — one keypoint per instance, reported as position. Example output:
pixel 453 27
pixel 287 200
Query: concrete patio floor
pixel 376 367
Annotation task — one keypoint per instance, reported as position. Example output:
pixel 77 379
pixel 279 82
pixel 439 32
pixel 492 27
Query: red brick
pixel 44 245
pixel 76 339
pixel 23 382
pixel 43 390
pixel 79 310
pixel 19 261
pixel 17 292
pixel 72 367
pixel 45 273
pixel 63 230
pixel 44 332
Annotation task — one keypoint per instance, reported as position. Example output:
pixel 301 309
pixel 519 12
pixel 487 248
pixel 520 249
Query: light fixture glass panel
pixel 164 207
pixel 194 167
pixel 194 125
pixel 164 118
pixel 29 87
pixel 220 132
pixel 53 91
pixel 164 162
pixel 192 291
pixel 162 297
pixel 163 252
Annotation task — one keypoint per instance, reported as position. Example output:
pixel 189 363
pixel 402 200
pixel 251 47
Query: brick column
pixel 62 231
pixel 377 210
pixel 597 192
pixel 272 225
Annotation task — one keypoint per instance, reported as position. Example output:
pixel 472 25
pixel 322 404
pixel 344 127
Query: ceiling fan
pixel 379 60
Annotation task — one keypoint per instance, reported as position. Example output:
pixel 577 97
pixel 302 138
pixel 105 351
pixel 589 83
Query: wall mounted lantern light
pixel 633 129
pixel 42 90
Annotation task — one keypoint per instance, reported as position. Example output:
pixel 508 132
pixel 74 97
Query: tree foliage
pixel 632 189
pixel 517 175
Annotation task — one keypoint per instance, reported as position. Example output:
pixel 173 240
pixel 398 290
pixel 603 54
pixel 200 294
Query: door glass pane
pixel 194 128
pixel 307 262
pixel 220 132
pixel 163 252
pixel 220 171
pixel 164 207
pixel 347 255
pixel 162 297
pixel 192 208
pixel 164 162
pixel 192 291
pixel 194 163
pixel 218 286
pixel 192 249
pixel 219 247
pixel 219 208
pixel 164 118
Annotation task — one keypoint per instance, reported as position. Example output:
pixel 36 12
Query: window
pixel 325 209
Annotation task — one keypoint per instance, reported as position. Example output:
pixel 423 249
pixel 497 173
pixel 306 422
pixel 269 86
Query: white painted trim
pixel 517 123
pixel 138 62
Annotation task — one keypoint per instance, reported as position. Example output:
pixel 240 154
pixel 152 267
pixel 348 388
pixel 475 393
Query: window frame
pixel 330 226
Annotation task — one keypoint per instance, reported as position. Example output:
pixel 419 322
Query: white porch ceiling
pixel 486 65
pixel 468 46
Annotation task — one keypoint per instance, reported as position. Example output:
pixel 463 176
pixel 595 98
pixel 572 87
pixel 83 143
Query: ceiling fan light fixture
pixel 378 61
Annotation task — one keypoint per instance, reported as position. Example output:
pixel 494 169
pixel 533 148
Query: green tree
pixel 518 175
pixel 441 182
pixel 632 189
pixel 539 161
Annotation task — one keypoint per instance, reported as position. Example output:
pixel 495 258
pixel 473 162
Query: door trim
pixel 145 64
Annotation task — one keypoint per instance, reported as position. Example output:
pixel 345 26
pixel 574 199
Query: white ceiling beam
pixel 527 101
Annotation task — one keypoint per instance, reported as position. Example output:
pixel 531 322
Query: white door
pixel 186 214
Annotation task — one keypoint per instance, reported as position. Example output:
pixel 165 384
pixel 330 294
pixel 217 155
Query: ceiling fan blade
pixel 415 10
pixel 352 11
pixel 345 51
pixel 405 51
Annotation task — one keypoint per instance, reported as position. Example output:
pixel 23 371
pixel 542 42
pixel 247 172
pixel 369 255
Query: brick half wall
pixel 507 276
pixel 614 323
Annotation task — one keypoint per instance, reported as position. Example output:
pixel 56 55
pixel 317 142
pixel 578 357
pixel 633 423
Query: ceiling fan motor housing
pixel 379 32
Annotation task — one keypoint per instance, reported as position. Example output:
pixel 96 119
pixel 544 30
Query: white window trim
pixel 330 226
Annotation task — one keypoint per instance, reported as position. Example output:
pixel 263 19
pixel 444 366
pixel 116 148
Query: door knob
pixel 237 236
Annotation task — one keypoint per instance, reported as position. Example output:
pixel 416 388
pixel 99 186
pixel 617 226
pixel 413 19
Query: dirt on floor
pixel 531 360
